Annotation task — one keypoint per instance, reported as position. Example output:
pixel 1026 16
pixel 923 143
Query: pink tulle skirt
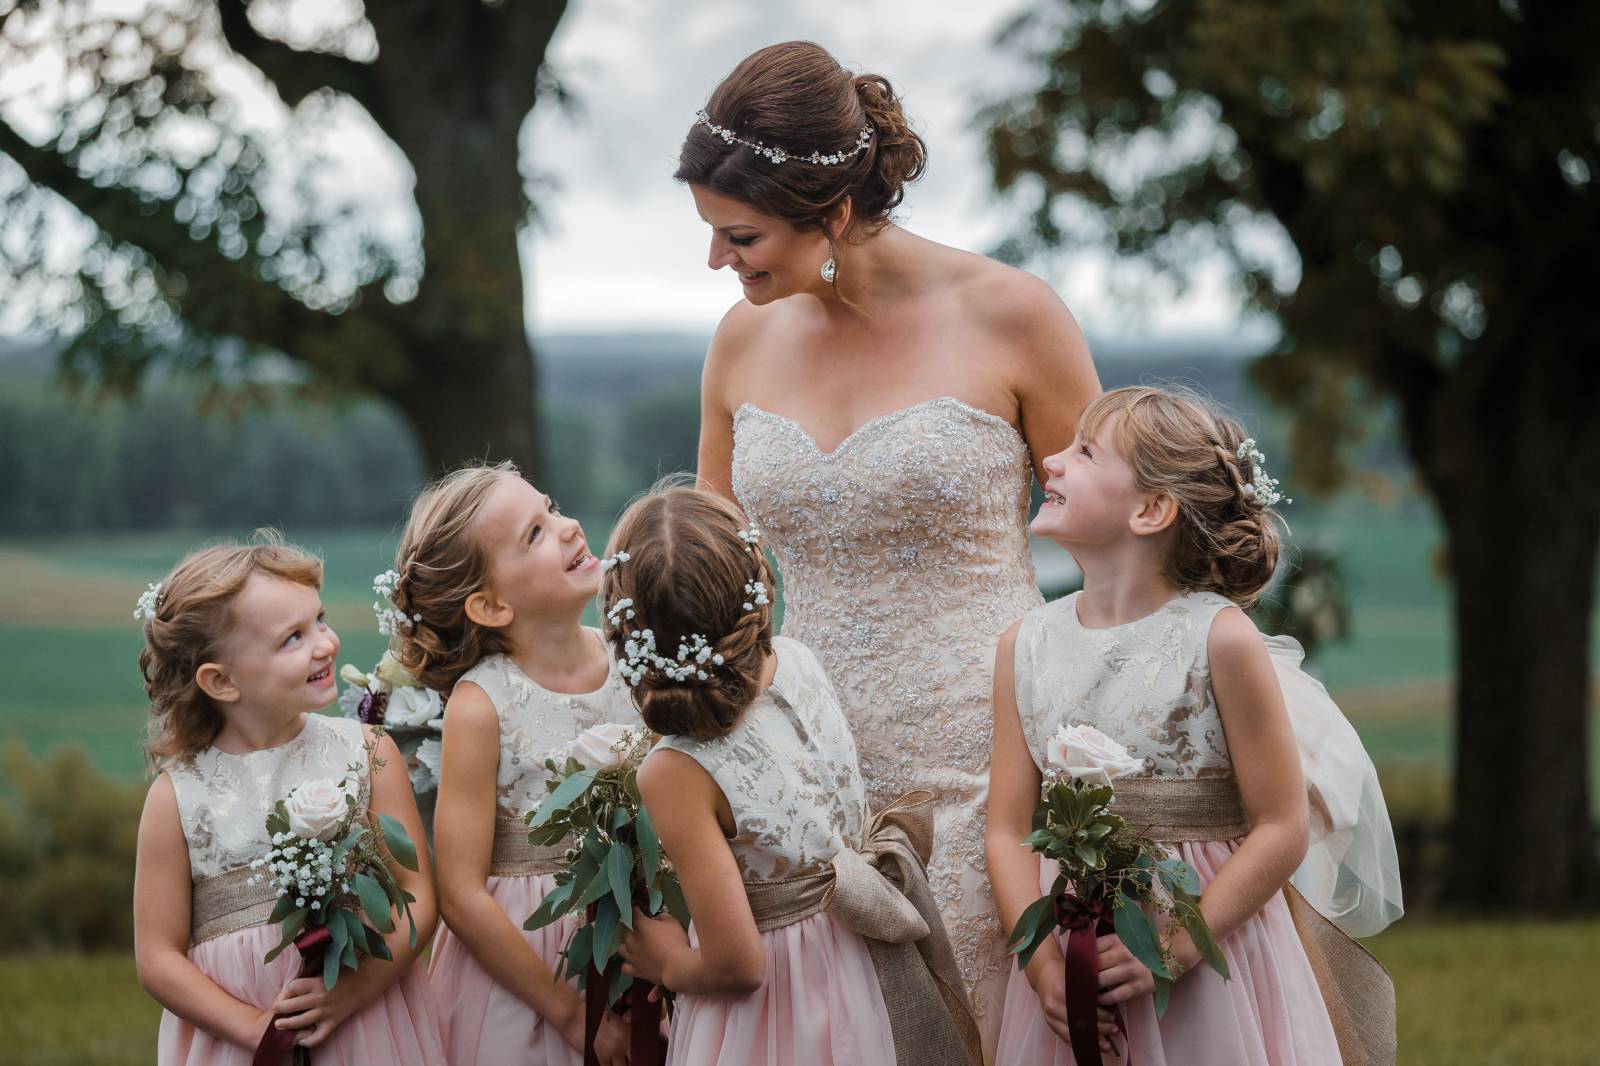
pixel 1270 1014
pixel 485 1025
pixel 401 1027
pixel 819 1006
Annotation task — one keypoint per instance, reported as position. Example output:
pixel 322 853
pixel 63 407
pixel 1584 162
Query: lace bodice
pixel 224 800
pixel 904 555
pixel 1146 684
pixel 789 772
pixel 535 721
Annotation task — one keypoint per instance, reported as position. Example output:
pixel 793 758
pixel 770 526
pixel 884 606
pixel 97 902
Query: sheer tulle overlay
pixel 820 1005
pixel 1270 1014
pixel 401 1027
pixel 485 1025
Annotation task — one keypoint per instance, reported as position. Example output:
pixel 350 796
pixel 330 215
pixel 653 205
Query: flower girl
pixel 757 796
pixel 237 659
pixel 1169 511
pixel 490 584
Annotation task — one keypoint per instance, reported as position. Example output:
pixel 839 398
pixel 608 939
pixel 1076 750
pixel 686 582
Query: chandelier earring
pixel 830 270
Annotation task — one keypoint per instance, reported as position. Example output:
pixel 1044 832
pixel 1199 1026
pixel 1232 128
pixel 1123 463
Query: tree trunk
pixel 478 405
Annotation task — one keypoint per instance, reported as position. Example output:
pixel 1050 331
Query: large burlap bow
pixel 882 893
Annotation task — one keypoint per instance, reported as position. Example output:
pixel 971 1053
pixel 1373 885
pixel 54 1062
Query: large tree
pixel 1431 164
pixel 212 235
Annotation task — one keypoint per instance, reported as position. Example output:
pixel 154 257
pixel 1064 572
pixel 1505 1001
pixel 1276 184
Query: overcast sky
pixel 623 248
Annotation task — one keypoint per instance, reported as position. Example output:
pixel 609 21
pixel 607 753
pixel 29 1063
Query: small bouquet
pixel 1108 876
pixel 336 893
pixel 414 716
pixel 615 863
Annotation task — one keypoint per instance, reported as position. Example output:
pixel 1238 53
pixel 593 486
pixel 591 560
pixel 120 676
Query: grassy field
pixel 1499 994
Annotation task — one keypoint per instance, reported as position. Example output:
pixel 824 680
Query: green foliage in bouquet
pixel 614 864
pixel 339 878
pixel 1100 858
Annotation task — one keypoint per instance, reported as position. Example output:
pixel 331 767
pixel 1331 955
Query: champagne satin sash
pixel 1355 986
pixel 881 892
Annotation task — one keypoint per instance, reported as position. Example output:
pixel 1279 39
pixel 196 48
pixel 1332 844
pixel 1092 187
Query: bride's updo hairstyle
pixel 1184 446
pixel 688 572
pixel 797 97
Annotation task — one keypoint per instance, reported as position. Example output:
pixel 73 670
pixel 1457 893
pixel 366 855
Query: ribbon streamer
pixel 1084 923
pixel 275 1042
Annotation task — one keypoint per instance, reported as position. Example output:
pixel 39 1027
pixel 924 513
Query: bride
pixel 877 403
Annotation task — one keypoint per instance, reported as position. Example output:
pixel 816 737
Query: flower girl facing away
pixel 238 657
pixel 1168 510
pixel 757 795
pixel 489 588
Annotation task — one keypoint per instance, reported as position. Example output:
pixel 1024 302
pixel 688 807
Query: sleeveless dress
pixel 789 772
pixel 223 802
pixel 1147 685
pixel 904 555
pixel 485 1024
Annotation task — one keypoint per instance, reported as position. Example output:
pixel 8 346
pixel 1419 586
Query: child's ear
pixel 215 683
pixel 1155 513
pixel 487 611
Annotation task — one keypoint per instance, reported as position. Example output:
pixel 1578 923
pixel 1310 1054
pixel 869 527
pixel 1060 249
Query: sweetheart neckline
pixel 849 438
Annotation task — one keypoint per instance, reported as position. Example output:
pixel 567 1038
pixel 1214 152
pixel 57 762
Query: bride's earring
pixel 830 270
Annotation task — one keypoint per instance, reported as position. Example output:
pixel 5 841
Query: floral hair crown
pixel 1262 488
pixel 783 155
pixel 391 619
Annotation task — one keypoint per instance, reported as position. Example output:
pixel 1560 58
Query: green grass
pixel 1490 993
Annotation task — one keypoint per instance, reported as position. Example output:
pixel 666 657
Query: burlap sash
pixel 513 856
pixel 881 892
pixel 226 903
pixel 1357 989
pixel 1185 810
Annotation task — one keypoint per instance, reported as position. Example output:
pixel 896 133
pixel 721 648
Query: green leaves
pixel 1038 921
pixel 398 842
pixel 551 908
pixel 375 902
pixel 619 865
pixel 563 796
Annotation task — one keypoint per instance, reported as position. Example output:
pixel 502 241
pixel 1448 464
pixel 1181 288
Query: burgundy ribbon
pixel 275 1042
pixel 1084 923
pixel 644 1019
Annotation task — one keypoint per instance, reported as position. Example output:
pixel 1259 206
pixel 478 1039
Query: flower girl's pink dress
pixel 223 801
pixel 789 772
pixel 485 1024
pixel 1147 684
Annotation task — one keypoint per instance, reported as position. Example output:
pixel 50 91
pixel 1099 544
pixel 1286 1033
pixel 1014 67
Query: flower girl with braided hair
pixel 237 659
pixel 1168 509
pixel 757 795
pixel 488 593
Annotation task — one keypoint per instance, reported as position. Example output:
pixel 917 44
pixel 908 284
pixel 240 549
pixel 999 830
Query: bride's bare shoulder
pixel 745 329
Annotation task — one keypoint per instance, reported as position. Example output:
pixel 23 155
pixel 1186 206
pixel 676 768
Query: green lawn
pixel 1495 994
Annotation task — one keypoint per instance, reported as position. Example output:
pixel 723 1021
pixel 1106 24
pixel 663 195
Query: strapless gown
pixel 904 556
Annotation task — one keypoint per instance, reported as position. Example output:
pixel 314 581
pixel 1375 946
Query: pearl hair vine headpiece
pixel 1262 487
pixel 782 155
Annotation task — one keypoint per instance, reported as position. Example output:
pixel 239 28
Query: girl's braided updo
pixel 1184 446
pixel 686 573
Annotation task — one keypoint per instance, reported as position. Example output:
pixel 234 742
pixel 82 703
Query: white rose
pixel 1083 753
pixel 424 769
pixel 603 746
pixel 316 808
pixel 410 708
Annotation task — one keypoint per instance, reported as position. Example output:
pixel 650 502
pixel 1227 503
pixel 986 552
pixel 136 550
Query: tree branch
pixel 266 315
pixel 297 74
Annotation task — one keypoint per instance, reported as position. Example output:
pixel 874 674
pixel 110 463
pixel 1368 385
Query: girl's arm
pixel 161 902
pixel 463 823
pixel 315 1009
pixel 1014 784
pixel 683 802
pixel 1267 765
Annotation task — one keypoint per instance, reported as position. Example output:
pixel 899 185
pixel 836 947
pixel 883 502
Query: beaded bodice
pixel 788 770
pixel 224 800
pixel 1146 684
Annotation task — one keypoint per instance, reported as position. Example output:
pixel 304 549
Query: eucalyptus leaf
pixel 649 845
pixel 330 963
pixel 619 866
pixel 677 906
pixel 292 925
pixel 1194 923
pixel 1139 935
pixel 375 902
pixel 551 908
pixel 562 796
pixel 606 922
pixel 1163 993
pixel 399 842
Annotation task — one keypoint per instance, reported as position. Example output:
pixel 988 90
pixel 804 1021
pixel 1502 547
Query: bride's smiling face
pixel 772 258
